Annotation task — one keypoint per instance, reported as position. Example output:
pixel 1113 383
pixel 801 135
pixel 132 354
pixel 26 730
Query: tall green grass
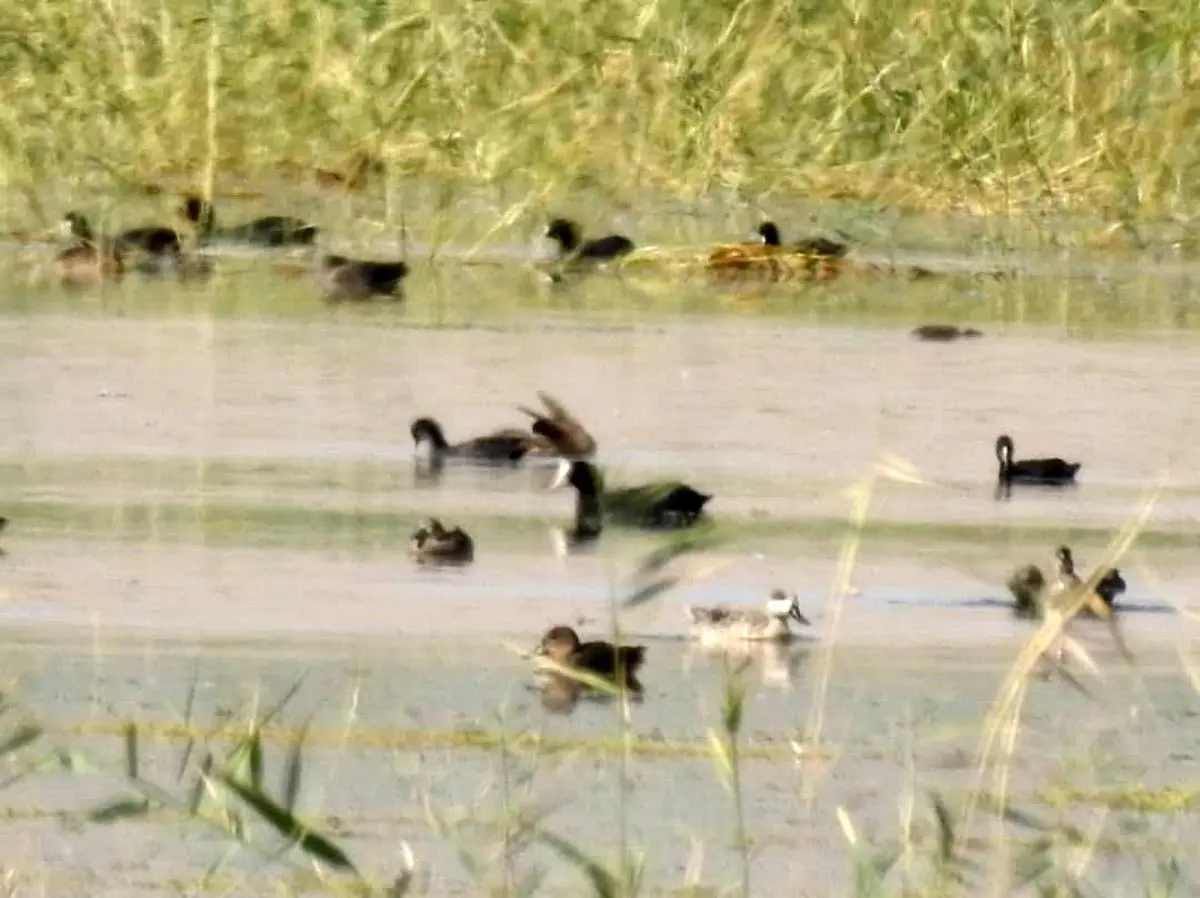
pixel 995 104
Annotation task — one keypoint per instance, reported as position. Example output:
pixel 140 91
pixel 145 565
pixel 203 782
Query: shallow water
pixel 226 466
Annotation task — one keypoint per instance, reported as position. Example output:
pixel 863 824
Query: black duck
pixel 270 230
pixel 1040 471
pixel 664 504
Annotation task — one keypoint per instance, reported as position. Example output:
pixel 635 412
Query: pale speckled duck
pixel 719 624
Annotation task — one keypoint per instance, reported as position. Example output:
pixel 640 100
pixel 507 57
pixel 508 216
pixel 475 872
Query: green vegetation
pixel 976 104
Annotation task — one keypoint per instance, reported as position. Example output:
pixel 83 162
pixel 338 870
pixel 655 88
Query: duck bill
pixel 562 476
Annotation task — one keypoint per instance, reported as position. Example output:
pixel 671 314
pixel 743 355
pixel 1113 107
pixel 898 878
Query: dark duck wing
pixel 155 240
pixel 611 247
pixel 1044 470
pixel 561 430
pixel 821 246
pixel 273 230
pixel 508 445
pixel 608 660
pixel 664 504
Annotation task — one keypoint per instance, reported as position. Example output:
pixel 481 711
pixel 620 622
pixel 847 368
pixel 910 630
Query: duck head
pixel 559 643
pixel 428 438
pixel 199 212
pixel 565 233
pixel 579 474
pixel 1110 586
pixel 75 224
pixel 783 605
pixel 1004 450
pixel 769 232
pixel 1066 562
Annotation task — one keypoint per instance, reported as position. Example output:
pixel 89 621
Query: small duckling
pixel 1040 471
pixel 432 542
pixel 271 230
pixel 617 663
pixel 572 246
pixel 355 279
pixel 944 333
pixel 723 624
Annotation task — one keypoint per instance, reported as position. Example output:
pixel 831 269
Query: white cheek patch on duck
pixel 562 476
pixel 424 449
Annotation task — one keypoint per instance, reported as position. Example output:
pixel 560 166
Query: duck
pixel 723 624
pixel 1030 589
pixel 271 230
pixel 155 240
pixel 433 542
pixel 507 446
pixel 944 333
pixel 619 664
pixel 661 505
pixel 572 246
pixel 559 432
pixel 86 263
pixel 342 278
pixel 809 246
pixel 555 432
pixel 1043 471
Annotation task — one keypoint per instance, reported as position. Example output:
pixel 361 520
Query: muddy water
pixel 226 467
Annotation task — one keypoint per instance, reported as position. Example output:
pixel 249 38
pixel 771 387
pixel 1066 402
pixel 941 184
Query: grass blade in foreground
pixel 288 826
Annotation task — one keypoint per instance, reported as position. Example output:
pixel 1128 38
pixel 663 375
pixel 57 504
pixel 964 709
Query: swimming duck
pixel 153 239
pixel 557 432
pixel 944 333
pixel 617 663
pixel 721 623
pixel 1031 591
pixel 665 504
pixel 86 263
pixel 809 246
pixel 1043 471
pixel 433 542
pixel 572 246
pixel 271 230
pixel 506 446
pixel 343 278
